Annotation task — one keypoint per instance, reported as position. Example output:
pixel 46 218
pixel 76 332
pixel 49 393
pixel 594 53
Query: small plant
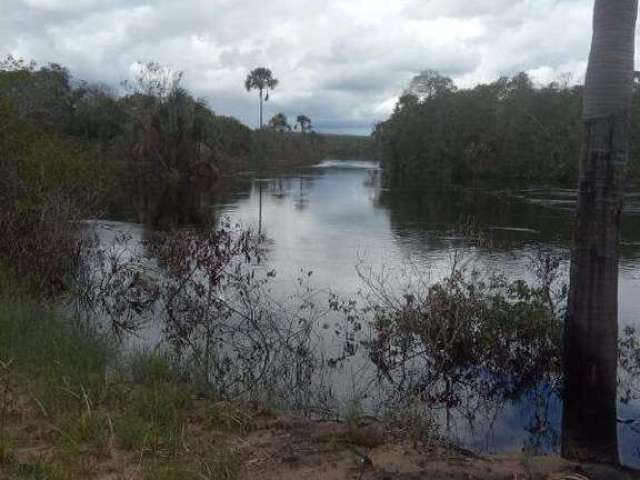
pixel 153 419
pixel 151 367
pixel 419 425
pixel 7 456
pixel 42 468
pixel 224 464
pixel 353 415
pixel 5 399
pixel 89 430
pixel 67 361
pixel 227 417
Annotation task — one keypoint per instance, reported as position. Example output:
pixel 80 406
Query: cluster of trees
pixel 510 128
pixel 262 80
pixel 70 150
pixel 350 147
pixel 48 184
pixel 280 123
pixel 286 148
pixel 165 148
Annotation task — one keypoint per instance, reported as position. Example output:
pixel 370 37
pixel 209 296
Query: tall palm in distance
pixel 261 79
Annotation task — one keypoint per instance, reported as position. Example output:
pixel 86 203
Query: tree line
pixel 151 152
pixel 164 149
pixel 507 129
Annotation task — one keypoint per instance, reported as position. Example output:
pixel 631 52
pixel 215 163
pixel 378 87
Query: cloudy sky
pixel 342 62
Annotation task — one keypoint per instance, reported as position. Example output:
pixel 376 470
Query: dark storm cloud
pixel 343 62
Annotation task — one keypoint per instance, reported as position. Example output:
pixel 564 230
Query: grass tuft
pixel 153 418
pixel 224 464
pixel 229 417
pixel 88 431
pixel 65 361
pixel 152 367
pixel 41 468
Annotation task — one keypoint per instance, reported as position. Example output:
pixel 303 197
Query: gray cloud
pixel 341 62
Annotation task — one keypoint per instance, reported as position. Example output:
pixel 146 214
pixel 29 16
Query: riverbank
pixel 227 442
pixel 73 407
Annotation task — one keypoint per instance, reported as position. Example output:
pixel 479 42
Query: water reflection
pixel 329 218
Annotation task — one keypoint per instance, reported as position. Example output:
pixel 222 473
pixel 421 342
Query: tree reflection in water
pixel 469 347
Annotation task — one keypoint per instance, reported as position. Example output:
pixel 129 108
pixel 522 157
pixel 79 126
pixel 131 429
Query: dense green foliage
pixel 279 123
pixel 506 129
pixel 70 151
pixel 349 147
pixel 45 343
pixel 164 150
pixel 48 184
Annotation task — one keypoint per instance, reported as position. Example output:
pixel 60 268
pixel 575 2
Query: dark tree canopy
pixel 304 123
pixel 509 128
pixel 260 79
pixel 429 84
pixel 279 122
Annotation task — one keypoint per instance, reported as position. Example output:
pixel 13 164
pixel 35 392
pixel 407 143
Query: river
pixel 334 216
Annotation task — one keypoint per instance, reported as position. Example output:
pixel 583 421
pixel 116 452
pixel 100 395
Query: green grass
pixel 85 432
pixel 223 465
pixel 97 400
pixel 39 469
pixel 6 453
pixel 151 367
pixel 227 417
pixel 153 418
pixel 66 361
pixel 39 339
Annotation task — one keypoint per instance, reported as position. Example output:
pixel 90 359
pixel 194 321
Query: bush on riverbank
pixel 72 406
pixel 48 184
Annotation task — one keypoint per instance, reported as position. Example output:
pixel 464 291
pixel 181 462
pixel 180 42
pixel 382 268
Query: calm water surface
pixel 332 217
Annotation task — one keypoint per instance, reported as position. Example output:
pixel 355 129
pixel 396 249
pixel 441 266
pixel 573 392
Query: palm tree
pixel 304 122
pixel 589 425
pixel 261 79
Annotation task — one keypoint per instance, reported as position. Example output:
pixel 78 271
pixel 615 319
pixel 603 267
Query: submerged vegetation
pixel 76 402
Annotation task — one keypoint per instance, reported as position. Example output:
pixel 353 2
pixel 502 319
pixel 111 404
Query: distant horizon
pixel 343 64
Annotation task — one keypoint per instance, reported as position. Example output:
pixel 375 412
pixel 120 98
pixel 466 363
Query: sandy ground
pixel 284 447
pixel 290 449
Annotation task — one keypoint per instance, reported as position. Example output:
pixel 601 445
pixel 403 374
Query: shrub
pixel 48 185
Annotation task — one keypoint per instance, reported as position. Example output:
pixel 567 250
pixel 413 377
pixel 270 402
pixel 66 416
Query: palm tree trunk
pixel 260 108
pixel 589 423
